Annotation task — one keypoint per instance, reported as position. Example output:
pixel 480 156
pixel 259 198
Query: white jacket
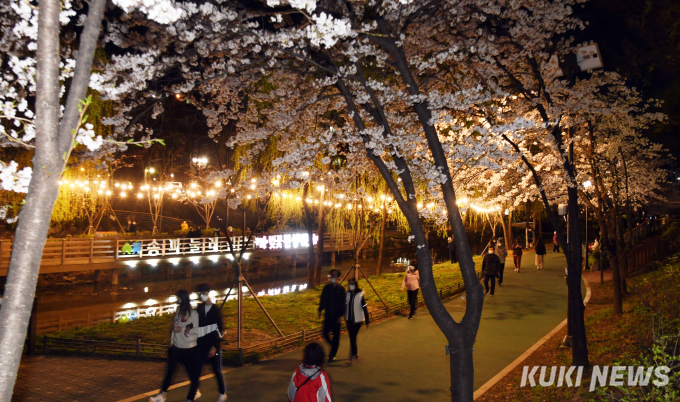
pixel 357 306
pixel 178 338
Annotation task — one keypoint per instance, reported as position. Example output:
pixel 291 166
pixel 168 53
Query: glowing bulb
pixel 152 170
pixel 139 195
pixel 123 194
pixel 420 205
pixel 370 199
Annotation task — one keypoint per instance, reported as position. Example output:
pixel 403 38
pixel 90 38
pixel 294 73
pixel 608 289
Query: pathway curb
pixel 484 388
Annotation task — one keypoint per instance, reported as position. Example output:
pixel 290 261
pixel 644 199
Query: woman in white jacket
pixel 183 347
pixel 356 313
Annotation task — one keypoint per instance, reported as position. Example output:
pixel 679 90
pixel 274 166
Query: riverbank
pixel 292 312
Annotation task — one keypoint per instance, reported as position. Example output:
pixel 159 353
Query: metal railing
pixel 232 355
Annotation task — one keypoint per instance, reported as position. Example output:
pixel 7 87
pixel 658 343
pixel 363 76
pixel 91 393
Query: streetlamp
pixel 586 185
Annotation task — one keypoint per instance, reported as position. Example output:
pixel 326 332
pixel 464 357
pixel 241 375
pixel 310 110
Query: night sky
pixel 640 39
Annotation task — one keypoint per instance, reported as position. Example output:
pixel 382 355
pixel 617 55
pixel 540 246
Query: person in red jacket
pixel 309 382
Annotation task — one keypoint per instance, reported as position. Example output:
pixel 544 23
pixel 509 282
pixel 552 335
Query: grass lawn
pixel 292 312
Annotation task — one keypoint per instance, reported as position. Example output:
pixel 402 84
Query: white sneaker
pixel 158 398
pixel 198 395
pixel 222 398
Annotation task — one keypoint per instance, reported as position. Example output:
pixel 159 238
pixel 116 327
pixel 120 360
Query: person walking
pixel 517 254
pixel 217 233
pixel 412 284
pixel 356 313
pixel 309 382
pixel 184 226
pixel 183 348
pixel 210 333
pixel 133 227
pixel 333 302
pixel 490 266
pixel 556 243
pixel 502 254
pixel 540 253
pixel 230 231
pixel 452 250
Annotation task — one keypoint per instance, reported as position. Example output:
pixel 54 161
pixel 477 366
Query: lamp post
pixel 587 185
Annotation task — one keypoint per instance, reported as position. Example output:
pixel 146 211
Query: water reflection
pixel 150 290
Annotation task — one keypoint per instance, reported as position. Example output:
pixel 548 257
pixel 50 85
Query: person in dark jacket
pixel 452 250
pixel 356 313
pixel 540 253
pixel 517 254
pixel 333 302
pixel 210 332
pixel 491 265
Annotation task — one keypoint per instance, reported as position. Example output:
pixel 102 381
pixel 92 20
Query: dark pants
pixel 353 330
pixel 453 255
pixel 517 259
pixel 216 362
pixel 332 324
pixel 189 358
pixel 412 300
pixel 500 274
pixel 493 282
pixel 556 248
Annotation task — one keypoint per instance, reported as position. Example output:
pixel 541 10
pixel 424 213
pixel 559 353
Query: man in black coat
pixel 210 332
pixel 491 265
pixel 333 301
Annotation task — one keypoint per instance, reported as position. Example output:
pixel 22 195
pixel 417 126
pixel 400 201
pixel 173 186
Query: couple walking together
pixel 195 340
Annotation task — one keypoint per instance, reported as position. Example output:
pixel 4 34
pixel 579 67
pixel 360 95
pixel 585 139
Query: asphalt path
pixel 405 360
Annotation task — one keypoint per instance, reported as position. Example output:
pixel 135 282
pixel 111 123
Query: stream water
pixel 156 287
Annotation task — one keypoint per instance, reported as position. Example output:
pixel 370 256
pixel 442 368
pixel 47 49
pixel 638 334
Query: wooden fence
pixel 232 355
pixel 93 250
pixel 643 256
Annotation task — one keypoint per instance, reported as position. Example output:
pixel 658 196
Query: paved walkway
pixel 404 360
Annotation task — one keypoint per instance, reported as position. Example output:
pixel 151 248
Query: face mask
pixel 352 287
pixel 333 280
pixel 204 297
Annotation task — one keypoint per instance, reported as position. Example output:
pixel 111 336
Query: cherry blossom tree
pixel 35 64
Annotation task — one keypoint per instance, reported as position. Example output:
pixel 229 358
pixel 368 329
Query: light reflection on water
pixel 264 279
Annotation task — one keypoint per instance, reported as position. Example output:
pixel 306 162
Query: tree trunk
pixel 309 225
pixel 621 252
pixel 606 241
pixel 574 256
pixel 52 145
pixel 378 270
pixel 322 231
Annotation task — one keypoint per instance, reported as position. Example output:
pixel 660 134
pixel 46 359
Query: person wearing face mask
pixel 210 333
pixel 412 284
pixel 356 312
pixel 333 302
pixel 183 348
pixel 490 266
